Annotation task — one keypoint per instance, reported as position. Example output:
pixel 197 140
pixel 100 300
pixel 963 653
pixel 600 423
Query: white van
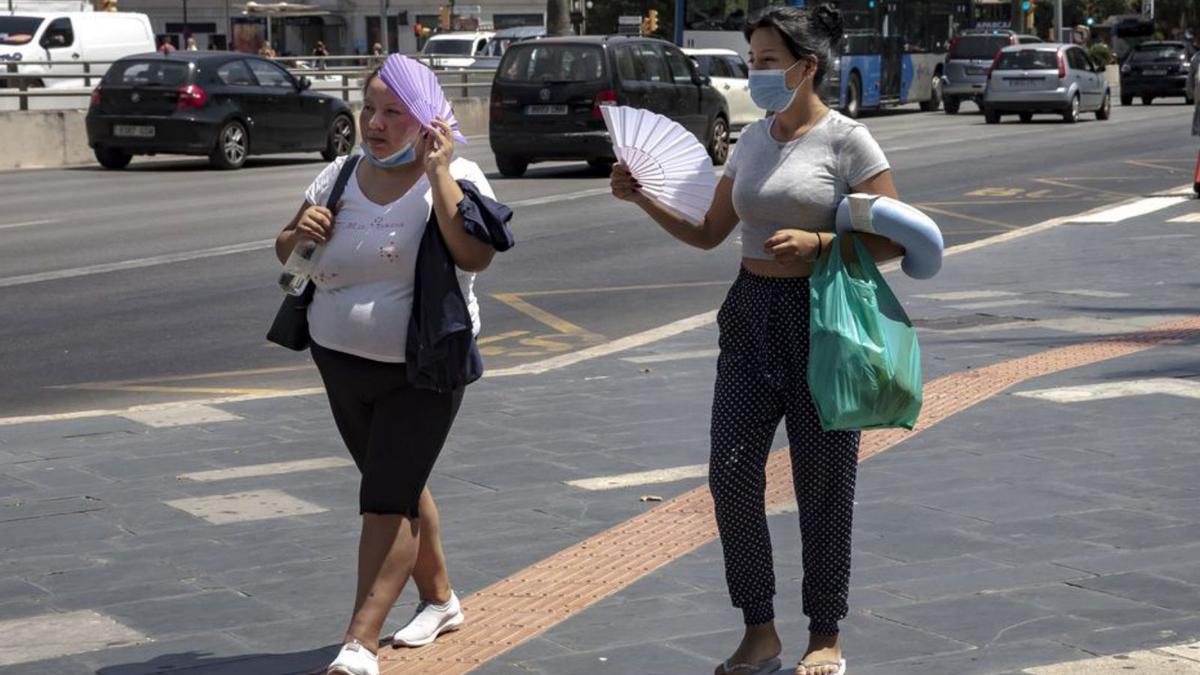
pixel 66 39
pixel 455 50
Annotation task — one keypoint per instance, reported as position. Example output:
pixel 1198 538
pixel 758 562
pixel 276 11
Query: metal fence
pixel 340 76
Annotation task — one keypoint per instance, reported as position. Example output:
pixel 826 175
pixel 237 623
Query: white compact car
pixel 730 76
pixel 455 50
pixel 66 39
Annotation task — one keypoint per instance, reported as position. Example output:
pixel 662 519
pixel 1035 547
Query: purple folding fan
pixel 417 88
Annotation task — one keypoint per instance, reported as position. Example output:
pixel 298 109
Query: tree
pixel 558 17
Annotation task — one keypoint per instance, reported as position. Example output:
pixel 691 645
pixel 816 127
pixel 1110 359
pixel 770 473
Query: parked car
pixel 730 75
pixel 967 61
pixel 547 95
pixel 67 39
pixel 1156 70
pixel 455 50
pixel 489 58
pixel 225 105
pixel 1046 78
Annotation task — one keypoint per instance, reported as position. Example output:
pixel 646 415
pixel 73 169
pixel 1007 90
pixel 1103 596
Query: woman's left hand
pixel 438 147
pixel 788 246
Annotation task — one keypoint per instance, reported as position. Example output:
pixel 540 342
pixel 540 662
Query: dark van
pixel 547 95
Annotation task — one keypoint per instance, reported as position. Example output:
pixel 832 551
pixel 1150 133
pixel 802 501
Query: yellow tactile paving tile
pixel 552 590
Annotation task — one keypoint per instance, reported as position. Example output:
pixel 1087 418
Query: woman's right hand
pixel 316 224
pixel 624 186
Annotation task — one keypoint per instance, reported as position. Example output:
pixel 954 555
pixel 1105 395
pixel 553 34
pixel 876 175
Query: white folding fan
pixel 668 161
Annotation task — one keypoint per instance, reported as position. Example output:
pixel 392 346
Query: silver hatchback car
pixel 1046 78
pixel 971 52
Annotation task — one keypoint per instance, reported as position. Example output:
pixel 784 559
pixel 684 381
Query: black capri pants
pixel 394 431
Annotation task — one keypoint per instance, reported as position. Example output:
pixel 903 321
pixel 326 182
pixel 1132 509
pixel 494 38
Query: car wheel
pixel 1126 100
pixel 112 158
pixel 991 116
pixel 1026 118
pixel 853 98
pixel 1147 100
pixel 718 141
pixel 341 138
pixel 1071 114
pixel 511 167
pixel 951 105
pixel 1105 110
pixel 935 98
pixel 233 144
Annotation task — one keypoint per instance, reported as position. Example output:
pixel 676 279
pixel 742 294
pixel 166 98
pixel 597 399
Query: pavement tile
pixel 990 581
pixel 1148 588
pixel 1000 658
pixel 976 619
pixel 1080 602
pixel 208 611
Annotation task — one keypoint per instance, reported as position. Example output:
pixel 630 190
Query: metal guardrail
pixel 462 83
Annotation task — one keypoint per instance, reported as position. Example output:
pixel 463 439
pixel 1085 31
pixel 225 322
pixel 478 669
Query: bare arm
pixel 310 222
pixel 718 222
pixel 469 253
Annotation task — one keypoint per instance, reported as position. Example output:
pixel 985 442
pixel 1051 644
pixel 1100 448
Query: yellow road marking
pixel 1155 164
pixel 606 289
pixel 501 336
pixel 540 315
pixel 1112 193
pixel 183 378
pixel 964 216
pixel 995 192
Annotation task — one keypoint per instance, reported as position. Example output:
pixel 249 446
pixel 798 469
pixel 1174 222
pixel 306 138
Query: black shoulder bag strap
pixel 290 327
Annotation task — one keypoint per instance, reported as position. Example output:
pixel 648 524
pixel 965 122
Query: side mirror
pixel 702 80
pixel 303 83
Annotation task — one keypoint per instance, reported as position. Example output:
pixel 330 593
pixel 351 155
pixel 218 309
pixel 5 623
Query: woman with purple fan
pixel 399 253
pixel 783 184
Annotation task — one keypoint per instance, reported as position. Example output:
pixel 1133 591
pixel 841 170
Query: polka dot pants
pixel 761 379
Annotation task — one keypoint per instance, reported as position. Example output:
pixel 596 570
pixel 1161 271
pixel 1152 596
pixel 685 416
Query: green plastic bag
pixel 864 363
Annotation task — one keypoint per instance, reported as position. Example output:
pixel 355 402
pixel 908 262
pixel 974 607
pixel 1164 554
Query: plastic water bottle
pixel 298 269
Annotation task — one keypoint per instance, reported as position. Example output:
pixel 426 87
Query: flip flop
pixel 840 663
pixel 767 667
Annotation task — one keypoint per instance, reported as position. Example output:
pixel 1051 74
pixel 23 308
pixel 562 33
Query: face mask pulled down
pixel 406 155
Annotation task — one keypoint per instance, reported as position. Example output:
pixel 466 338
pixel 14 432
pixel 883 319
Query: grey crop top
pixel 798 184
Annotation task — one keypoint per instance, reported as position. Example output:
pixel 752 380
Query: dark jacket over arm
pixel 441 353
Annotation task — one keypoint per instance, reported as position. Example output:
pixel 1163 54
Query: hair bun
pixel 828 20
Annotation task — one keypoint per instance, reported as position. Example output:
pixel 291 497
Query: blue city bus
pixel 892 54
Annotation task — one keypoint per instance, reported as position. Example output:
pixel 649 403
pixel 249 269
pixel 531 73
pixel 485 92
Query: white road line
pixel 652 477
pixel 554 363
pixel 28 223
pixel 1106 390
pixel 241 507
pixel 676 356
pixel 48 636
pixel 993 304
pixel 134 263
pixel 608 348
pixel 1134 209
pixel 270 469
pixel 1189 218
pixel 86 414
pixel 179 416
pixel 554 199
pixel 1176 660
pixel 954 296
pixel 1089 293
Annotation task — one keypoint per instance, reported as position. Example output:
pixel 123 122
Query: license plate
pixel 1154 73
pixel 133 131
pixel 977 71
pixel 1024 84
pixel 546 110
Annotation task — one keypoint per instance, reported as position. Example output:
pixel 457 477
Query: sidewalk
pixel 1018 533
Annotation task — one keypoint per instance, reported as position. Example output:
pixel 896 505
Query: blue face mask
pixel 395 160
pixel 769 90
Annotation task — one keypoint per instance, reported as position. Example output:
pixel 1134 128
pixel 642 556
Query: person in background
pixel 322 52
pixel 165 46
pixel 191 45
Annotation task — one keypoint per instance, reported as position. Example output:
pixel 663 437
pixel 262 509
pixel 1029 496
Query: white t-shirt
pixel 365 275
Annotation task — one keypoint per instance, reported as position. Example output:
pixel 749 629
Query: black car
pixel 223 105
pixel 1154 70
pixel 547 95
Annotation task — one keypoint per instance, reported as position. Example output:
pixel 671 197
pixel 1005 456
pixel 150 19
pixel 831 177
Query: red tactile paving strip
pixel 548 592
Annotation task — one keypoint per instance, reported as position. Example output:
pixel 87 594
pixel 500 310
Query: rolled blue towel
pixel 903 224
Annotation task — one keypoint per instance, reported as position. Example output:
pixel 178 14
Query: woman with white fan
pixel 383 223
pixel 783 184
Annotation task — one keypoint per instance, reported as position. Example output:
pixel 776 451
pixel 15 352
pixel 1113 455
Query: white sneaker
pixel 429 622
pixel 354 659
